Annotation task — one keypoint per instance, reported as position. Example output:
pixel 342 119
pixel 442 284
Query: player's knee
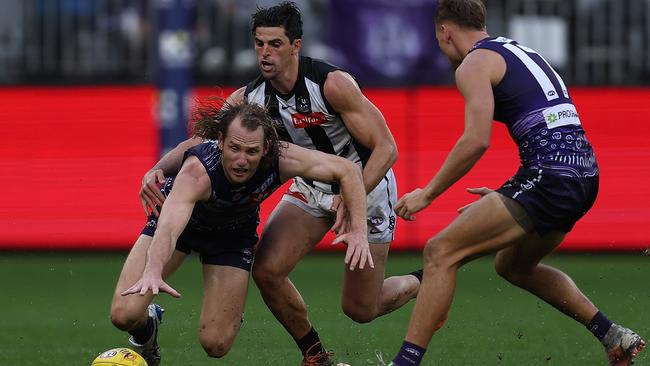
pixel 502 268
pixel 261 274
pixel 509 272
pixel 436 253
pixel 124 318
pixel 266 275
pixel 216 347
pixel 358 312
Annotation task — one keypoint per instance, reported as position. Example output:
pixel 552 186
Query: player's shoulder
pixel 320 71
pixel 206 146
pixel 254 84
pixel 479 62
pixel 207 154
pixel 482 56
pixel 317 65
pixel 194 168
pixel 340 78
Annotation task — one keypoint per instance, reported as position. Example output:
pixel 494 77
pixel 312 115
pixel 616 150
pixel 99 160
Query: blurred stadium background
pixel 93 91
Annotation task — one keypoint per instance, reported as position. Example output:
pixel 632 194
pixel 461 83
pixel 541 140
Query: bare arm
pixel 191 185
pixel 366 124
pixel 170 164
pixel 315 165
pixel 474 82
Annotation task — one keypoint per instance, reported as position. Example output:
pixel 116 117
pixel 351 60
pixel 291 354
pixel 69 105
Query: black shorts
pixel 552 202
pixel 226 247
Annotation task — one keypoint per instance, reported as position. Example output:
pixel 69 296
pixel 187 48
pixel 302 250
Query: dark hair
pixel 285 14
pixel 466 13
pixel 212 118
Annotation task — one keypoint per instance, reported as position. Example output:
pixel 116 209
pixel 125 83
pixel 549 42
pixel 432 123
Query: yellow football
pixel 119 357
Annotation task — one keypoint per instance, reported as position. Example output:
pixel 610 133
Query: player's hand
pixel 358 252
pixel 480 191
pixel 152 283
pixel 342 221
pixel 411 203
pixel 150 195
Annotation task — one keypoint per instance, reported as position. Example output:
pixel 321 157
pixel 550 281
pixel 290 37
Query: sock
pixel 141 335
pixel 310 344
pixel 409 355
pixel 599 325
pixel 417 274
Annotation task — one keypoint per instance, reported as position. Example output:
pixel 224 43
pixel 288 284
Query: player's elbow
pixel 477 144
pixel 483 144
pixel 349 170
pixel 482 147
pixel 384 150
pixel 391 152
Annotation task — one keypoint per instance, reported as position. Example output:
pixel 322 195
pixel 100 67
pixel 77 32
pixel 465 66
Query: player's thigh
pixel 288 235
pixel 132 271
pixel 527 252
pixel 362 286
pixel 225 290
pixel 484 227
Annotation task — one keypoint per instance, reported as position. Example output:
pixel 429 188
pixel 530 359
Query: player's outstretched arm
pixel 191 185
pixel 365 123
pixel 474 82
pixel 315 165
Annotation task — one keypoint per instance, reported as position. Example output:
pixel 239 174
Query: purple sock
pixel 599 325
pixel 409 355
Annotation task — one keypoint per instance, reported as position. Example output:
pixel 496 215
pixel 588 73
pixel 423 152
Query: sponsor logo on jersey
pixel 561 115
pixel 305 120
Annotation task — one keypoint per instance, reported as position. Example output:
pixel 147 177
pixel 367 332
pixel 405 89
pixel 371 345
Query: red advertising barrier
pixel 72 160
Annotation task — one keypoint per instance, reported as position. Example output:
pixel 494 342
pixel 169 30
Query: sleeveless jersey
pixel 533 102
pixel 305 118
pixel 231 206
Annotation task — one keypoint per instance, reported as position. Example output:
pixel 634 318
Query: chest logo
pixel 305 120
pixel 302 105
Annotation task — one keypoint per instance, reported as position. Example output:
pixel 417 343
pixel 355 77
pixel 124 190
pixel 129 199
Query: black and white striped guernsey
pixel 304 117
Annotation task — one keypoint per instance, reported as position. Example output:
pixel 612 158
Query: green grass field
pixel 55 312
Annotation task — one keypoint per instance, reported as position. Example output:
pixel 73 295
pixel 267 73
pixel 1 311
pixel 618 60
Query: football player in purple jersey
pixel 212 208
pixel 528 217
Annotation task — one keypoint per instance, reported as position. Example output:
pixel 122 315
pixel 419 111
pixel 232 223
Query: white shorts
pixel 381 204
